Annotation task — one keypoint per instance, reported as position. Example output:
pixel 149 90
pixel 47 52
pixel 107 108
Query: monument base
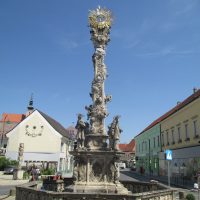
pixel 97 188
pixel 18 174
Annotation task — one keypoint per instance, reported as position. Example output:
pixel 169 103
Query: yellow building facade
pixel 181 129
pixel 180 132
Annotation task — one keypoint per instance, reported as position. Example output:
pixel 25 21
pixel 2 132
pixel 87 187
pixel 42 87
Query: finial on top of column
pixel 100 18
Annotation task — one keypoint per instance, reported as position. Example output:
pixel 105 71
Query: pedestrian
pixel 34 174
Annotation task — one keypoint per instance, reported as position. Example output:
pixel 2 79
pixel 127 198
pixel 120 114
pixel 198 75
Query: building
pixel 177 130
pixel 40 140
pixel 71 131
pixel 129 153
pixel 148 149
pixel 180 132
pixel 7 122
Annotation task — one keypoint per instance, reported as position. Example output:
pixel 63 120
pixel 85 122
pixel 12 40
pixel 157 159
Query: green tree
pixel 4 162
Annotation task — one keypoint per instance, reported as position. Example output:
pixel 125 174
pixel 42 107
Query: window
pixel 173 141
pixel 146 145
pixel 139 147
pixel 167 133
pixel 154 142
pixel 62 147
pixel 158 141
pixel 142 146
pixel 179 134
pixel 186 132
pixel 163 139
pixel 195 129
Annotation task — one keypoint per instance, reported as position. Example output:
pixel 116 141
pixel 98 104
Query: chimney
pixel 195 90
pixel 178 102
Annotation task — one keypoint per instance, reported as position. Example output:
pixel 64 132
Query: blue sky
pixel 153 58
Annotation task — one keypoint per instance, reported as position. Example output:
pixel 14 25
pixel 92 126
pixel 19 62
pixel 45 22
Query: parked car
pixel 133 168
pixel 122 165
pixel 9 169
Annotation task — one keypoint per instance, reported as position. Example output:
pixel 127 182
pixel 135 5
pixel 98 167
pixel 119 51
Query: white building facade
pixel 44 142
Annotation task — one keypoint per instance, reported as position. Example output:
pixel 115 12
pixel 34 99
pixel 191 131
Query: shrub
pixel 5 162
pixel 49 171
pixel 25 175
pixel 190 197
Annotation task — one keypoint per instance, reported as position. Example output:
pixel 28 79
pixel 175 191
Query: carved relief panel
pixel 34 131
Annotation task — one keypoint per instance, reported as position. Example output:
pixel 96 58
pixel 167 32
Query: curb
pixel 5 197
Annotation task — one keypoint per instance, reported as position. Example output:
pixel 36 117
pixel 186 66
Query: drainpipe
pixel 149 158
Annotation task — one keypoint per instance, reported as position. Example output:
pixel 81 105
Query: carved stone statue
pixel 20 154
pixel 80 126
pixel 82 172
pixel 21 150
pixel 111 137
pixel 75 173
pixel 108 98
pixel 114 133
pixel 116 173
pixel 111 175
pixel 89 109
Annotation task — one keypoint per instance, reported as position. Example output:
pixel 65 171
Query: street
pixel 5 189
pixel 126 174
pixel 7 183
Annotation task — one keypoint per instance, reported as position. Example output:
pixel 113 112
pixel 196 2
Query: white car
pixel 122 165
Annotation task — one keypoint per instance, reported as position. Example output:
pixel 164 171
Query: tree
pixel 4 162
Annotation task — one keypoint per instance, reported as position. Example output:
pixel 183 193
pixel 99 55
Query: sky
pixel 153 58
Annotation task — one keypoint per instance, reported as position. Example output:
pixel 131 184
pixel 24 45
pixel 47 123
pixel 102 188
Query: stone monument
pixel 96 173
pixel 18 173
pixel 95 165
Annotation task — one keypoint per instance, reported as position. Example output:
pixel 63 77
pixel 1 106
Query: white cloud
pixel 68 43
pixel 133 35
pixel 132 44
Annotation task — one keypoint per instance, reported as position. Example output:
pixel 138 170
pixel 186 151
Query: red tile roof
pixel 178 107
pixel 6 117
pixel 128 147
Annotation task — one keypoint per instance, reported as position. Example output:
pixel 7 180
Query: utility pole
pixel 168 173
pixel 168 157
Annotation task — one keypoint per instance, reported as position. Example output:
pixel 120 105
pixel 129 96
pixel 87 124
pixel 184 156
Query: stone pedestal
pixel 96 142
pixel 18 174
pixel 96 171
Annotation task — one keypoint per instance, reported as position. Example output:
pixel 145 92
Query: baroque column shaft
pixel 100 24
